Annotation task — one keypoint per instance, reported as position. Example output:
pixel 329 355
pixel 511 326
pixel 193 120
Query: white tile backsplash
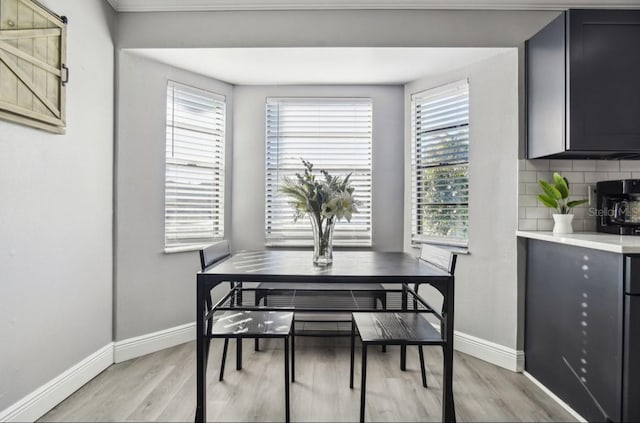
pixel 545 225
pixel 533 216
pixel 527 176
pixel 607 165
pixel 628 165
pixel 528 225
pixel 537 164
pixel 618 175
pixel 561 165
pixel 581 165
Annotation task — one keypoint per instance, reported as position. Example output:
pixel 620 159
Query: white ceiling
pixel 320 65
pixel 201 5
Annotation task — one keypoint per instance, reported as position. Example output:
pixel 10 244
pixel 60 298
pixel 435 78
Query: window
pixel 194 173
pixel 439 164
pixel 332 133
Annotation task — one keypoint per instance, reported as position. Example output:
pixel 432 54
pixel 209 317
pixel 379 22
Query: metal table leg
pixel 403 348
pixel 201 359
pixel 448 406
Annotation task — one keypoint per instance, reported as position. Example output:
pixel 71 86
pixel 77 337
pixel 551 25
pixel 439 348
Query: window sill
pixel 456 247
pixel 294 244
pixel 185 248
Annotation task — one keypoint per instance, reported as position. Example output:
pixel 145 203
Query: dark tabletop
pixel 347 266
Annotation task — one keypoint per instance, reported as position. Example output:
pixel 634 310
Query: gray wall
pixel 486 278
pixel 56 219
pixel 326 28
pixel 154 290
pixel 247 195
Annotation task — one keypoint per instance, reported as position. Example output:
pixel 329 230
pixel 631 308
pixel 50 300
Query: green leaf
pixel 550 190
pixel 548 201
pixel 561 185
pixel 572 204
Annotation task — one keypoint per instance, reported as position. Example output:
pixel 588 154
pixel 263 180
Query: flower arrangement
pixel 324 200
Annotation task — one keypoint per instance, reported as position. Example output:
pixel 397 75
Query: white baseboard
pixel 152 342
pixel 555 398
pixel 491 352
pixel 42 400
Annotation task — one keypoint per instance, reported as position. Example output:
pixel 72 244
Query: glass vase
pixel 322 228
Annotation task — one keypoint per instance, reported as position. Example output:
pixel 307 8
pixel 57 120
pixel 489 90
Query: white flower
pixel 340 205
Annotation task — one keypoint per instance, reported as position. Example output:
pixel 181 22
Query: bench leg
pixel 363 385
pixel 422 368
pixel 239 354
pixel 384 307
pixel 209 323
pixel 286 380
pixel 293 353
pixel 224 358
pixel 353 345
pixel 256 346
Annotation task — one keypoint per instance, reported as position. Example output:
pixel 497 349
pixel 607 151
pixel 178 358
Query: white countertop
pixel 624 244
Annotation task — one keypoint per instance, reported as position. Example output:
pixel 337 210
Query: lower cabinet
pixel 574 326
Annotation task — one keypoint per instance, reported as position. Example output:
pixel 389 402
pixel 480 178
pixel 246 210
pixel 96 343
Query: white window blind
pixel 194 173
pixel 439 164
pixel 332 133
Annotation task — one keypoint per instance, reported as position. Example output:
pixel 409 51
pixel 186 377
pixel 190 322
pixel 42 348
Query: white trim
pixel 555 398
pixel 185 248
pixel 114 4
pixel 42 400
pixel 152 342
pixel 491 352
pixel 228 5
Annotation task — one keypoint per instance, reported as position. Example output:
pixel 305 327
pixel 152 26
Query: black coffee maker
pixel 618 209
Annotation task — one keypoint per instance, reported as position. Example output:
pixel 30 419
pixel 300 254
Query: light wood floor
pixel 161 387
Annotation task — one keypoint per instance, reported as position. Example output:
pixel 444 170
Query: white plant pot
pixel 562 224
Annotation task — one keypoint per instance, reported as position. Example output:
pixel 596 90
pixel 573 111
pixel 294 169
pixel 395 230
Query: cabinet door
pixel 545 89
pixel 604 69
pixel 573 326
pixel 631 392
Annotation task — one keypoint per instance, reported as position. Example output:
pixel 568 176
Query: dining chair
pixel 400 328
pixel 241 323
pixel 209 256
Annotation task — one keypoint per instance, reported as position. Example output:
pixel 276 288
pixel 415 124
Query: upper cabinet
pixel 583 86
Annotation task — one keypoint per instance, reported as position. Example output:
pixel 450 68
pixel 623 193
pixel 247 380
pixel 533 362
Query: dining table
pixel 348 267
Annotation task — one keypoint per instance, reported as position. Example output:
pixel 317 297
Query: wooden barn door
pixel 32 65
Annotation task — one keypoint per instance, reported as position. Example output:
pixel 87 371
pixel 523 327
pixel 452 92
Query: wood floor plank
pixel 161 387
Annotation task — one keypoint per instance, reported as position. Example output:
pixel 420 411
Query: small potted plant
pixel 556 196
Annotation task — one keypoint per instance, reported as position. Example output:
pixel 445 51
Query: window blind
pixel 439 163
pixel 194 172
pixel 332 133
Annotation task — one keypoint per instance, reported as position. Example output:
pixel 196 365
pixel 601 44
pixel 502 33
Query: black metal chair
pixel 208 257
pixel 241 323
pixel 258 324
pixel 400 328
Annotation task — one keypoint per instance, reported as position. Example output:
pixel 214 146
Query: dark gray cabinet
pixel 574 326
pixel 582 86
